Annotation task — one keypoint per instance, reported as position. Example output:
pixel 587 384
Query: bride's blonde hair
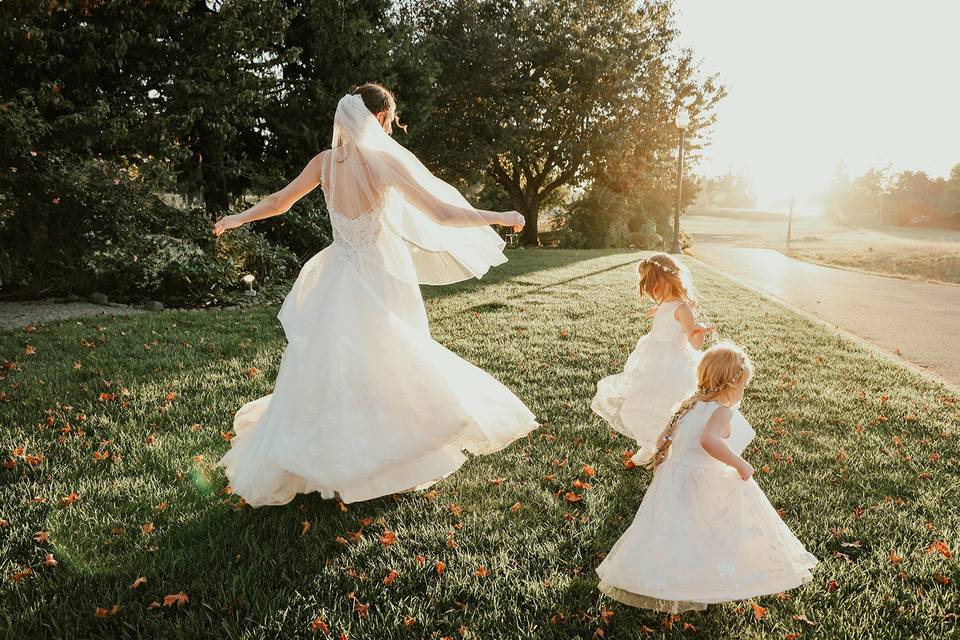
pixel 660 278
pixel 723 365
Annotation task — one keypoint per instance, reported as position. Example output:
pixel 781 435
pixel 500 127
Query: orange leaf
pixel 178 599
pixel 66 501
pixel 341 540
pixel 251 372
pixel 390 577
pixel 833 585
pixel 894 558
pixel 49 561
pixel 432 494
pixel 23 573
pixel 409 621
pixel 319 624
pixel 306 528
pixel 420 560
pixel 388 538
pixel 455 509
pixel 516 507
pixel 590 471
pixel 481 572
pixel 142 580
pixel 606 614
pixel 942 579
pixel 441 567
pixel 147 528
pixel 41 536
pixel 792 636
pixel 570 496
pixel 758 611
pixel 170 397
pixel 580 484
pixel 940 547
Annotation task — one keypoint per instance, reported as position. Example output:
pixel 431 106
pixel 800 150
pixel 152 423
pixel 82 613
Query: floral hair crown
pixel 662 267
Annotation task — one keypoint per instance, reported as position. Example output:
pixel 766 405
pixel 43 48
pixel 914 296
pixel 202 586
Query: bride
pixel 366 403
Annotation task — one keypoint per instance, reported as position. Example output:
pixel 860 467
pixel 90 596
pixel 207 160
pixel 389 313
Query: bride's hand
pixel 226 223
pixel 514 220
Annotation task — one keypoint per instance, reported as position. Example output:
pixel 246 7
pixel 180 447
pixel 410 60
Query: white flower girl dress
pixel 660 373
pixel 702 535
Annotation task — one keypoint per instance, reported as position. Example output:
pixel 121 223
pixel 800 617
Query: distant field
pixel 926 254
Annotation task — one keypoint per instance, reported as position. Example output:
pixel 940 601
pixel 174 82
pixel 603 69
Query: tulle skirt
pixel 366 403
pixel 658 376
pixel 703 535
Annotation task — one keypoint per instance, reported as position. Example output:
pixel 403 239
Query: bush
pixel 98 225
pixel 602 218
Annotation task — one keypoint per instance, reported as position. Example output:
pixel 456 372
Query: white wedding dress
pixel 366 403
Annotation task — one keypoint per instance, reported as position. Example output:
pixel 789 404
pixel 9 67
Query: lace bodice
pixel 665 326
pixel 686 439
pixel 356 233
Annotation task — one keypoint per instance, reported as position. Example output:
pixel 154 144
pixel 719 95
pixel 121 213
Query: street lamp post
pixel 682 121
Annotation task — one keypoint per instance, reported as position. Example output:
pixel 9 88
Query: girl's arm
pixel 279 202
pixel 713 441
pixel 696 333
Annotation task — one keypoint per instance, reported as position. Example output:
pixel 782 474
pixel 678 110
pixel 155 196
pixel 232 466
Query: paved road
pixel 921 319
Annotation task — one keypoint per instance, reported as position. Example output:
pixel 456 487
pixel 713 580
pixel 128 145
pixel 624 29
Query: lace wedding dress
pixel 702 535
pixel 366 403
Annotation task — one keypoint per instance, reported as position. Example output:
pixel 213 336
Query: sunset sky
pixel 816 83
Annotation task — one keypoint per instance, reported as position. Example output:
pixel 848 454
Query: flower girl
pixel 662 370
pixel 705 532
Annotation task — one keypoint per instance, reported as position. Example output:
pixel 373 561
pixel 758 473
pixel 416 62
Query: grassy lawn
pixel 120 422
pixel 923 254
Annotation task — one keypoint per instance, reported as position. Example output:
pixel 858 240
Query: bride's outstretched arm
pixel 278 202
pixel 443 212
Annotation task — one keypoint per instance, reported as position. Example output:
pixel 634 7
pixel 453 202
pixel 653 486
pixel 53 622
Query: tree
pixel 533 96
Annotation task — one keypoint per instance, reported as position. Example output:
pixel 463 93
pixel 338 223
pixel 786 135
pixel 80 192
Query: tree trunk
pixel 530 209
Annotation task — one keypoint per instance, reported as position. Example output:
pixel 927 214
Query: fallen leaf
pixel 432 494
pixel 305 528
pixel 455 509
pixel 832 585
pixel 20 575
pixel 894 558
pixel 942 579
pixel 319 624
pixel 251 372
pixel 388 580
pixel 341 540
pixel 409 621
pixel 147 527
pixel 441 567
pixel 178 599
pixel 481 572
pixel 516 507
pixel 388 538
pixel 590 471
pixel 758 611
pixel 170 397
pixel 50 561
pixel 571 496
pixel 136 584
pixel 606 614
pixel 66 501
pixel 940 547
pixel 41 536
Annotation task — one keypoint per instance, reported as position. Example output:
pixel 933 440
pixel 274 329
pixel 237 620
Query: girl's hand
pixel 226 223
pixel 745 469
pixel 704 329
pixel 514 220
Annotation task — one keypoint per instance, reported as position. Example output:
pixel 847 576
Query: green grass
pixel 859 452
pixel 908 252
